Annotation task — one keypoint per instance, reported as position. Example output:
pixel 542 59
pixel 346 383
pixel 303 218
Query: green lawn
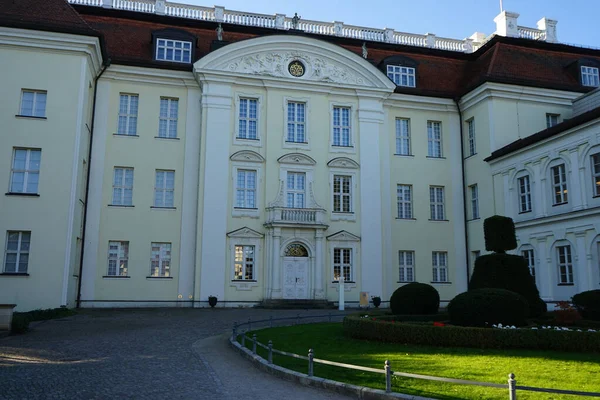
pixel 575 371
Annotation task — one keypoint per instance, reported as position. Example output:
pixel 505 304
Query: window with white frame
pixel 33 103
pixel 551 120
pixel 595 158
pixel 434 139
pixel 160 264
pixel 245 191
pixel 243 264
pixel 471 126
pixel 118 258
pixel 173 50
pixel 401 76
pixel 122 187
pixel 164 189
pixel 296 189
pixel 403 136
pixel 25 172
pixel 529 257
pixel 248 119
pixel 296 122
pixel 16 253
pixel 590 76
pixel 341 127
pixel 524 194
pixel 439 261
pixel 559 184
pixel 167 122
pixel 436 200
pixel 474 201
pixel 404 199
pixel 407 266
pixel 565 265
pixel 342 193
pixel 342 264
pixel 128 114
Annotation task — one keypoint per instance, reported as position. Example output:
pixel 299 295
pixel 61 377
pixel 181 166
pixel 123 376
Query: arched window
pixel 296 250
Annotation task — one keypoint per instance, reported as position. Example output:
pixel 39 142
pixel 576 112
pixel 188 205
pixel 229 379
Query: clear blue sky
pixel 577 19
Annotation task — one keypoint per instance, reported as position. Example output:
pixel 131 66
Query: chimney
pixel 506 24
pixel 549 27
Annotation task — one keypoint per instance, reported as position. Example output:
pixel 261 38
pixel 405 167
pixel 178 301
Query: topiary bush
pixel 588 304
pixel 19 324
pixel 482 307
pixel 499 233
pixel 415 299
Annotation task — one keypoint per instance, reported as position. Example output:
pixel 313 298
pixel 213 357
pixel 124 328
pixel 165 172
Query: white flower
pixel 534 328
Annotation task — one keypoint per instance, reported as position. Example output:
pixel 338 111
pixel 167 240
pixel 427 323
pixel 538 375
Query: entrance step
pixel 296 304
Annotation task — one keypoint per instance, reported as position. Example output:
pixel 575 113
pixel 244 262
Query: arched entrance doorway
pixel 295 272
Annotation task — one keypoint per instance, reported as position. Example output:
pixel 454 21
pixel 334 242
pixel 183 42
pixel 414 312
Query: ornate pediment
pixel 297 159
pixel 245 232
pixel 343 236
pixel 343 162
pixel 247 156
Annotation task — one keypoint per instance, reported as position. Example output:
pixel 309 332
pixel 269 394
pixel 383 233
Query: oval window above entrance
pixel 296 250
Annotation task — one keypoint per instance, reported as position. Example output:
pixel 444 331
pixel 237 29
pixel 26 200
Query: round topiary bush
pixel 488 306
pixel 588 304
pixel 415 299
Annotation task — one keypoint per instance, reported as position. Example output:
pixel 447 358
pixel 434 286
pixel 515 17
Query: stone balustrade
pixel 295 216
pixel 506 24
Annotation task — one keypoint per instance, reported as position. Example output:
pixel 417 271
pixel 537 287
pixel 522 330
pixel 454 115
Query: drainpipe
pixel 105 65
pixel 464 191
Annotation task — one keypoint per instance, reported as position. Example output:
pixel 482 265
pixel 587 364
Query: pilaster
pixel 582 271
pixel 276 264
pixel 544 269
pixel 575 193
pixel 318 282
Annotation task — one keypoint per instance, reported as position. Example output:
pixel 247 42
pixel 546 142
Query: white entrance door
pixel 295 278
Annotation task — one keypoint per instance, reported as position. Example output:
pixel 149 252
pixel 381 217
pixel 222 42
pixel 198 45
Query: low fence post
pixel 512 387
pixel 254 344
pixel 243 339
pixel 297 319
pixel 234 333
pixel 388 376
pixel 270 352
pixel 271 321
pixel 249 324
pixel 329 317
pixel 310 362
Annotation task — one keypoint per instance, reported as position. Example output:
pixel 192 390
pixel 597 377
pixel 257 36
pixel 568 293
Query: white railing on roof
pixel 280 21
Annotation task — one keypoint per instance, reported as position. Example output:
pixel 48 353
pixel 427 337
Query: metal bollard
pixel 512 387
pixel 297 319
pixel 270 352
pixel 388 376
pixel 254 344
pixel 243 339
pixel 329 317
pixel 271 321
pixel 234 333
pixel 310 362
pixel 249 324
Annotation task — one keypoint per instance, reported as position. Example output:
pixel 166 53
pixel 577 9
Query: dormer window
pixel 173 50
pixel 401 76
pixel 590 76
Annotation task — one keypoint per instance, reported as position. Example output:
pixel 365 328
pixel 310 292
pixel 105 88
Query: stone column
pixel 508 198
pixel 319 294
pixel 573 185
pixel 275 264
pixel 581 271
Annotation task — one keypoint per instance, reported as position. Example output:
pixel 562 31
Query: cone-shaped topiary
pixel 588 304
pixel 488 306
pixel 499 233
pixel 415 299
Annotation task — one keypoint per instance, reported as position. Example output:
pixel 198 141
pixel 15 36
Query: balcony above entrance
pixel 296 217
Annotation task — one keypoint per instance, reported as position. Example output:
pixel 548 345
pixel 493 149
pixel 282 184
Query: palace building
pixel 156 154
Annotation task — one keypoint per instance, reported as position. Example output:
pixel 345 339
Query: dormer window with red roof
pixel 173 50
pixel 590 76
pixel 401 76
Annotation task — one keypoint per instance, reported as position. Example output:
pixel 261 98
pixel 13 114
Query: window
pixel 25 172
pixel 118 257
pixel 164 188
pixel 524 194
pixel 404 197
pixel 551 120
pixel 403 136
pixel 439 260
pixel 296 184
pixel 341 127
pixel 128 110
pixel 123 187
pixel 16 255
pixel 296 126
pixel 589 76
pixel 596 173
pixel 528 255
pixel 342 194
pixel 436 199
pixel 160 263
pixel 245 194
pixel 167 122
pixel 173 50
pixel 342 264
pixel 434 139
pixel 401 76
pixel 474 201
pixel 244 263
pixel 565 265
pixel 559 184
pixel 407 266
pixel 33 103
pixel 471 126
pixel 248 119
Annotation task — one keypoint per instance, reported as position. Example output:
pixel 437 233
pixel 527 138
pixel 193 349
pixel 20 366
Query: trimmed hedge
pixel 21 320
pixel 412 318
pixel 588 304
pixel 19 324
pixel 488 306
pixel 499 234
pixel 414 299
pixel 483 338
